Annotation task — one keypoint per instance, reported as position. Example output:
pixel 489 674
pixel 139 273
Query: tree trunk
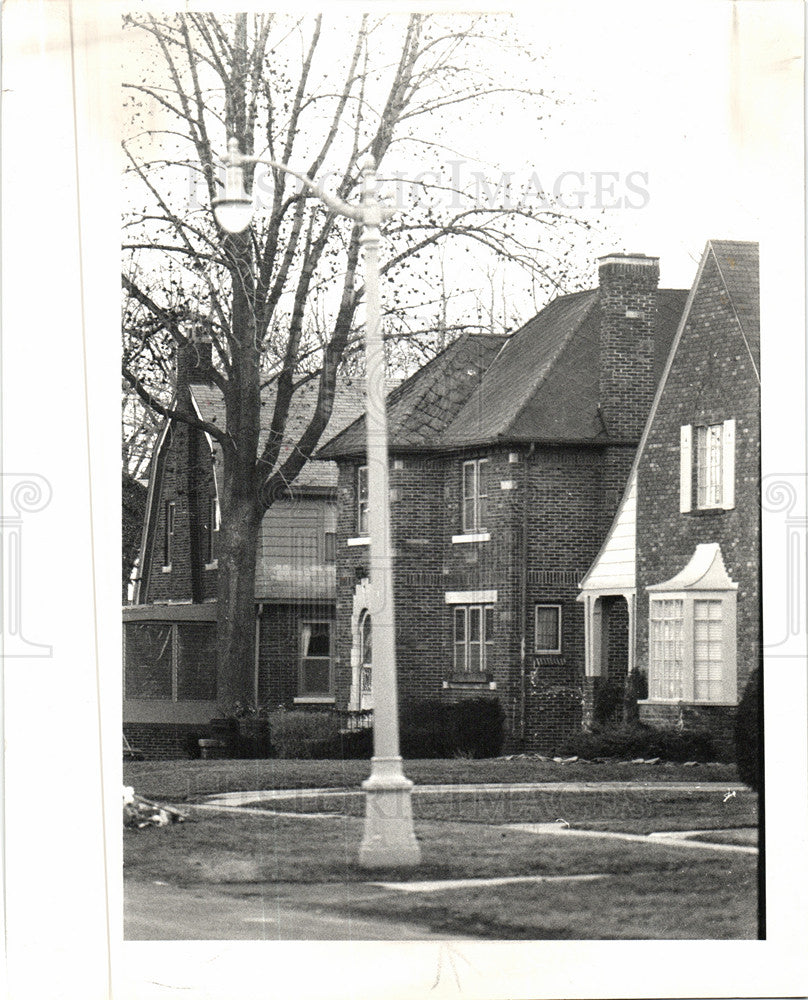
pixel 238 544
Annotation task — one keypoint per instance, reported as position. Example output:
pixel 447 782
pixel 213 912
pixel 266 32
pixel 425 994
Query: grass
pixel 652 890
pixel 189 780
pixel 632 810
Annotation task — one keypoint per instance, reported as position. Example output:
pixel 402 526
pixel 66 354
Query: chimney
pixel 628 319
pixel 194 361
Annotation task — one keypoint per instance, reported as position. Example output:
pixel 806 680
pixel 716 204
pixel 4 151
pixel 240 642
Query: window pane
pixel 666 667
pixel 362 500
pixel 547 621
pixel 475 664
pixel 482 494
pixel 709 456
pixel 148 660
pixel 489 624
pixel 330 547
pixel 460 624
pixel 475 621
pixel 317 639
pixel 315 677
pixel 196 661
pixel 469 496
pixel 707 650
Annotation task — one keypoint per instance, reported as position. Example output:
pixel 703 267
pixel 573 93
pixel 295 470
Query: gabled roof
pixel 738 263
pixel 420 409
pixel 540 384
pixel 349 402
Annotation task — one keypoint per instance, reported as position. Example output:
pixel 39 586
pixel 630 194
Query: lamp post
pixel 389 837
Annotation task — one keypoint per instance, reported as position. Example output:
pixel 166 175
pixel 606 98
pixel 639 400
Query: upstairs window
pixel 475 495
pixel 707 467
pixel 168 537
pixel 362 501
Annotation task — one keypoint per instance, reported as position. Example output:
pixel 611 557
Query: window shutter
pixel 685 468
pixel 728 465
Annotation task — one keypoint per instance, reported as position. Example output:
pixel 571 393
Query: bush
pixel 628 742
pixel 608 695
pixel 434 729
pixel 302 735
pixel 480 727
pixel 748 747
pixel 636 689
pixel 427 729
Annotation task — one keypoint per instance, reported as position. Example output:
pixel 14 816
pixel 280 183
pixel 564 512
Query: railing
pixel 351 722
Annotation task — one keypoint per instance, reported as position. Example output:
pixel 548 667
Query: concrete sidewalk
pixel 237 799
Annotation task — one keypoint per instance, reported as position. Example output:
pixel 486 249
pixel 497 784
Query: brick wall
pixel 164 741
pixel 712 379
pixel 187 481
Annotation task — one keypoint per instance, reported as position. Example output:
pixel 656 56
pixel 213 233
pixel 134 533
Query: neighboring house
pixel 507 459
pixel 133 510
pixel 677 581
pixel 169 631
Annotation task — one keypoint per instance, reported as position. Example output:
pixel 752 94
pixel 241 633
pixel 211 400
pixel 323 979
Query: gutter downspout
pixel 523 596
pixel 257 644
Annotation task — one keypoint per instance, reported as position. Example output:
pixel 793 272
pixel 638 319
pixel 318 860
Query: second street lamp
pixel 389 838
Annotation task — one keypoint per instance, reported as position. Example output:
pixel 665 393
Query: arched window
pixel 365 651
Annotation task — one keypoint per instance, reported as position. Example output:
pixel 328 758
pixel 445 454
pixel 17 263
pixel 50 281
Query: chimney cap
pixel 640 259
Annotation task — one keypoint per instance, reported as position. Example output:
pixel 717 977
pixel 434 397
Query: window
pixel 548 628
pixel 707 466
pixel 315 660
pixel 475 495
pixel 473 638
pixel 667 649
pixel 170 661
pixel 211 531
pixel 168 537
pixel 362 501
pixel 330 547
pixel 692 633
pixel 365 654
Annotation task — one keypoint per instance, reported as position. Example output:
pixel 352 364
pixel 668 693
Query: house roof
pixel 540 384
pixel 419 410
pixel 349 402
pixel 738 263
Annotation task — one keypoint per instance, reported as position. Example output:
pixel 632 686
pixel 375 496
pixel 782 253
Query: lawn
pixel 650 890
pixel 190 780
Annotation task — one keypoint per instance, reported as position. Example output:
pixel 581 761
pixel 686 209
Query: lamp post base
pixel 389 840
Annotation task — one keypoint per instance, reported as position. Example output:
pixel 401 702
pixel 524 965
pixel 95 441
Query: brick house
pixel 507 459
pixel 677 580
pixel 169 630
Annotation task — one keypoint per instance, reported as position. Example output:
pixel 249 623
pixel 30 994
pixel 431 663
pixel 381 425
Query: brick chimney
pixel 194 363
pixel 628 311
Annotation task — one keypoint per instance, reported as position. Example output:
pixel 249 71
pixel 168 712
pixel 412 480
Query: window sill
pixel 480 536
pixel 212 565
pixel 167 569
pixel 684 702
pixel 459 681
pixel 314 700
pixel 358 541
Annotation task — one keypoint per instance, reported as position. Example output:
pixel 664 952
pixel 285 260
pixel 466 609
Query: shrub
pixel 635 689
pixel 608 695
pixel 302 735
pixel 480 727
pixel 628 742
pixel 748 747
pixel 427 729
pixel 474 727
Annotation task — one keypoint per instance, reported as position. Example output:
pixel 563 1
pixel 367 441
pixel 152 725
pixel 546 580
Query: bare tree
pixel 282 301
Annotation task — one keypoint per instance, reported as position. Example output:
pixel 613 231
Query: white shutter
pixel 728 465
pixel 685 468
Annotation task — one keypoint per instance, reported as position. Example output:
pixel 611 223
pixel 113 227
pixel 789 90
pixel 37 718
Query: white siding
pixel 614 569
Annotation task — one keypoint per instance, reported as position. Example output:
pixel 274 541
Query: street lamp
pixel 389 837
